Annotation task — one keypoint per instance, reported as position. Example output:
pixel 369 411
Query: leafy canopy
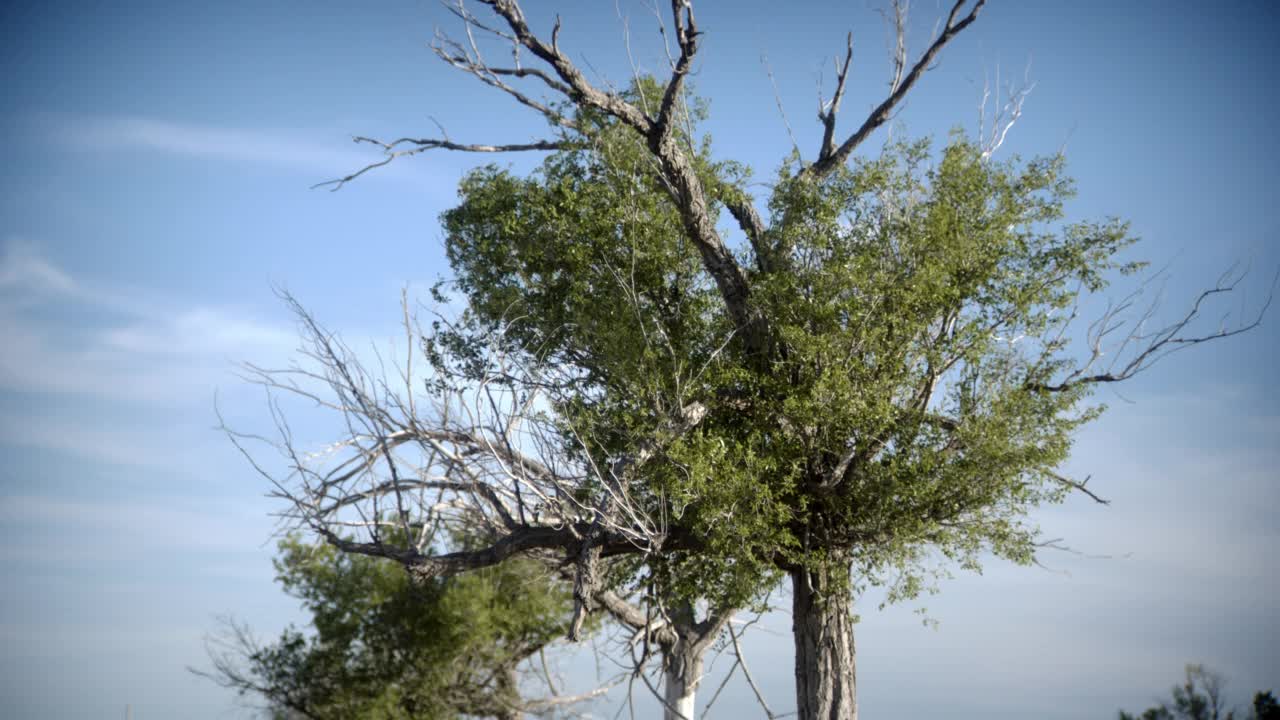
pixel 388 648
pixel 919 303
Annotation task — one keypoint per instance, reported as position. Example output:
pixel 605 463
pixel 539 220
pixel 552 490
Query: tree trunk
pixel 682 663
pixel 680 697
pixel 508 695
pixel 683 672
pixel 822 621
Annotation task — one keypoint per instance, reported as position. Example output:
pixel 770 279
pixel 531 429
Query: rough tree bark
pixel 822 626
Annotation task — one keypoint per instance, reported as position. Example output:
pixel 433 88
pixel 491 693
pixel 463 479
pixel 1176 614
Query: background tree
pixel 1200 697
pixel 1265 706
pixel 883 370
pixel 386 647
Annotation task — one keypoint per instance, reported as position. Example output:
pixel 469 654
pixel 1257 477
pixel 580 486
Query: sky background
pixel 159 161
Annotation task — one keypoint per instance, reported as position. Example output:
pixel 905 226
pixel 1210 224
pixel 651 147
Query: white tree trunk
pixel 680 698
pixel 680 680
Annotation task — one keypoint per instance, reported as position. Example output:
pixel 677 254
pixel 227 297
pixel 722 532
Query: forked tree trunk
pixel 823 628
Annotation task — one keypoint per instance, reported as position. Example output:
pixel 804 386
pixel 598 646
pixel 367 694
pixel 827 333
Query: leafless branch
pixel 746 672
pixel 828 110
pixel 421 145
pixel 1141 348
pixel 484 460
pixel 1079 485
pixel 777 99
pixel 1002 116
pixel 832 156
pixel 899 54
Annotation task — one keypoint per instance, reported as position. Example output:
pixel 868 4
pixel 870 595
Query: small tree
pixel 470 473
pixel 1201 697
pixel 385 647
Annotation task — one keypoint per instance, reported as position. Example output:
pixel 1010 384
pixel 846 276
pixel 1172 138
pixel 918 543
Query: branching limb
pixel 1079 485
pixel 687 39
pixel 545 705
pixel 1003 116
pixel 575 84
pixel 479 457
pixel 1153 345
pixel 405 147
pixel 830 159
pixel 746 672
pixel 899 55
pixel 676 168
pixel 827 111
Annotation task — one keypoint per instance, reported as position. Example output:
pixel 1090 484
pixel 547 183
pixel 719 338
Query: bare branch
pixel 828 161
pixel 746 672
pixel 680 178
pixel 1079 485
pixel 1154 344
pixel 777 99
pixel 577 87
pixel 900 11
pixel 827 111
pixel 687 40
pixel 421 145
pixel 544 705
pixel 1002 116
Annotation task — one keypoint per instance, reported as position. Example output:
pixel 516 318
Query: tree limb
pixel 421 145
pixel 828 161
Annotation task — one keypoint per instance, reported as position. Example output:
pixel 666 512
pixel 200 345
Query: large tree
pixel 883 367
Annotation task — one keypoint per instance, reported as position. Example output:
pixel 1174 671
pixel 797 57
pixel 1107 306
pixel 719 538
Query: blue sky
pixel 159 162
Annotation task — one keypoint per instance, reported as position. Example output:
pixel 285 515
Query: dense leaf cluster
pixel 917 302
pixel 388 648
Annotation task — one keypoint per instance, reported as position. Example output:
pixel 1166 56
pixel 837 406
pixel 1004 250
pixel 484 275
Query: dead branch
pixel 476 459
pixel 746 672
pixel 1140 348
pixel 1003 116
pixel 832 157
pixel 421 145
pixel 827 111
pixel 1078 485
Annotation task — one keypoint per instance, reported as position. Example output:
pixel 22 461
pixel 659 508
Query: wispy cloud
pixel 330 155
pixel 67 339
pixel 170 524
pixel 23 269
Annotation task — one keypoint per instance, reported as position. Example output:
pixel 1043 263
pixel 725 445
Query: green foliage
pixel 387 648
pixel 918 303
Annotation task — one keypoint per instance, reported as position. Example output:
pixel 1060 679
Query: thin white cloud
pixel 22 269
pixel 64 336
pixel 169 525
pixel 325 157
pixel 195 331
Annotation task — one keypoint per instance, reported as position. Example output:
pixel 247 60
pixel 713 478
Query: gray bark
pixel 822 617
pixel 681 686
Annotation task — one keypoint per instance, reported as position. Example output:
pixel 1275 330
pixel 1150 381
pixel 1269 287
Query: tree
pixel 385 647
pixel 480 467
pixel 1200 697
pixel 1265 706
pixel 882 370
